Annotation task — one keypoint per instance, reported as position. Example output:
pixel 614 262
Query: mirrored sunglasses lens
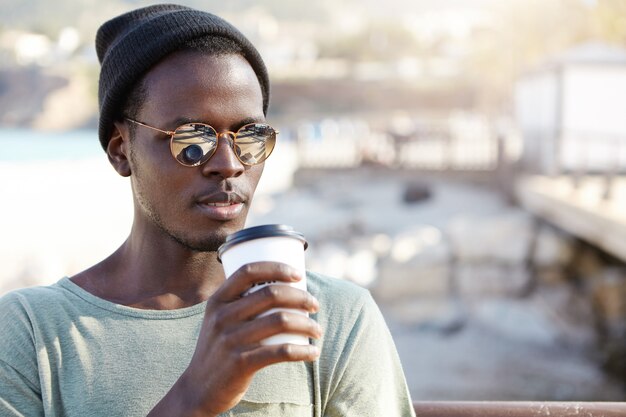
pixel 254 143
pixel 193 144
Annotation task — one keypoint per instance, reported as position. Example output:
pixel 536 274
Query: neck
pixel 153 271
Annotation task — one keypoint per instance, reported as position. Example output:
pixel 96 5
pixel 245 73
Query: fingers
pixel 278 322
pixel 271 296
pixel 229 349
pixel 255 273
pixel 237 325
pixel 263 356
pixel 246 309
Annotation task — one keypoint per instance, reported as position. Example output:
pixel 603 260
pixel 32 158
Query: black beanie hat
pixel 132 43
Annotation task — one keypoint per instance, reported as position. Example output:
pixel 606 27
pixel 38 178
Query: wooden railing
pixel 518 409
pixel 433 145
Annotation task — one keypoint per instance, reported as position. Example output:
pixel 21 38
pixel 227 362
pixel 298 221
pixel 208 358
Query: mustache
pixel 222 196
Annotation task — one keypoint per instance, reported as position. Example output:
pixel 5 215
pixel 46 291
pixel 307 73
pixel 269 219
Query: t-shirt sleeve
pixel 19 378
pixel 370 381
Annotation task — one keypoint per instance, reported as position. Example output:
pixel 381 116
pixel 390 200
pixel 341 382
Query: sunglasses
pixel 192 144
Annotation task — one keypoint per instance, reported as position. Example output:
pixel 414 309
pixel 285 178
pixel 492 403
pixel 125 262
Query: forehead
pixel 202 87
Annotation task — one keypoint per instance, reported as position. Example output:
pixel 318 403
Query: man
pixel 156 329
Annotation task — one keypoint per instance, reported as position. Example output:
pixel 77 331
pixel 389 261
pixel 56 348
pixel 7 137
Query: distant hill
pixel 22 93
pixel 48 16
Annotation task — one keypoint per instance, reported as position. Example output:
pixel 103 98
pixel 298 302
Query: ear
pixel 118 149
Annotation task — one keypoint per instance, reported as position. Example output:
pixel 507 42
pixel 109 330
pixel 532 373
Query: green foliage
pixel 609 20
pixel 379 41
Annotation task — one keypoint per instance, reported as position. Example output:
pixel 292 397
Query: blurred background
pixel 464 160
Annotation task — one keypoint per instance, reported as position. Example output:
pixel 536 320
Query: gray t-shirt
pixel 65 352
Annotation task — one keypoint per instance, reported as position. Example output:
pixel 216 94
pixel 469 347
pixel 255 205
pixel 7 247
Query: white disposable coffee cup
pixel 273 243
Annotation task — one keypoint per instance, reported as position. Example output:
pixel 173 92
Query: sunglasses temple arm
pixel 167 132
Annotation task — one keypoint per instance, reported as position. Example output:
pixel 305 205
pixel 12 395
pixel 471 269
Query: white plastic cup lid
pixel 258 232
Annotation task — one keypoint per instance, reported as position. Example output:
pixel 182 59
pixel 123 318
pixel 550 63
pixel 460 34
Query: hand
pixel 229 353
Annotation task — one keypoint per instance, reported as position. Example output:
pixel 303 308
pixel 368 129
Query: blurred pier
pixel 591 207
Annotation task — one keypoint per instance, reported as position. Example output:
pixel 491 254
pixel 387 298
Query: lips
pixel 221 206
pixel 218 204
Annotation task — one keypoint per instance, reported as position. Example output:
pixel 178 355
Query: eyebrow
pixel 247 121
pixel 236 126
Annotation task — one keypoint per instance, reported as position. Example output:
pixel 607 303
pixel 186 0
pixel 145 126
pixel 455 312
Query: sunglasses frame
pixel 230 135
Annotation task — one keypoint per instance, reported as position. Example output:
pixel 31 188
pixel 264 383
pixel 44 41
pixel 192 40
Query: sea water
pixel 24 145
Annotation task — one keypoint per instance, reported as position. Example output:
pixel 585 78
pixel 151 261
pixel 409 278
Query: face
pixel 196 206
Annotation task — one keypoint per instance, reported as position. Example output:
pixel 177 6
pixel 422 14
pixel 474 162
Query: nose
pixel 224 162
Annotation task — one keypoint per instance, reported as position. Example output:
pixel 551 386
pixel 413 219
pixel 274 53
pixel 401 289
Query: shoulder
pixel 358 368
pixel 24 300
pixel 22 310
pixel 336 294
pixel 21 314
pixel 346 309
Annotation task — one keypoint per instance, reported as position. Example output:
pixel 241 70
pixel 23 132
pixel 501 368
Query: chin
pixel 211 241
pixel 210 244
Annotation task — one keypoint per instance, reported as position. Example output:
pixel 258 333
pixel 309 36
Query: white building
pixel 572 111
